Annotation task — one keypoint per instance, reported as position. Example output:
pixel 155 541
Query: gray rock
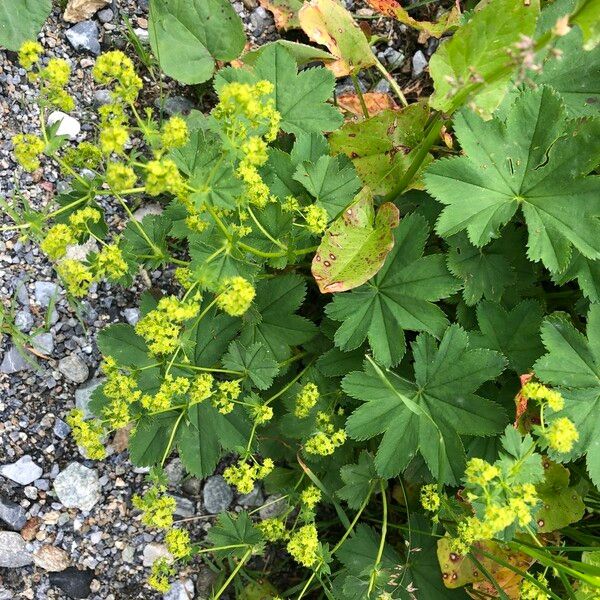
pixel 78 487
pixel 12 515
pixel 217 495
pixel 192 486
pixel 22 293
pixel 74 582
pixel 106 15
pixel 45 292
pixel 74 368
pixel 152 552
pixel 43 342
pixel 259 19
pixel 61 429
pixel 205 580
pixel 254 498
pixel 419 62
pixel 147 209
pixel 273 507
pixel 393 57
pixel 175 105
pixel 83 396
pixel 13 551
pixel 142 35
pixel 383 86
pixel 84 36
pixel 23 472
pixel 14 361
pixel 174 472
pixel 181 590
pixel 24 321
pixel 184 507
pixel 102 97
pixel 132 315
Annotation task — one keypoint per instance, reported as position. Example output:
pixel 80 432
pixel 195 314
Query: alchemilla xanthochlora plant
pixel 390 322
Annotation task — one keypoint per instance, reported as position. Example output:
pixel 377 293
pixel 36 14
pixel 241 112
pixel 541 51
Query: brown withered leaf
pixel 285 12
pixel 375 102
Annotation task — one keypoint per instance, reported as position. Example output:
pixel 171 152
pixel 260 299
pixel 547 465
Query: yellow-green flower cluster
pixel 178 543
pixel 316 219
pixel 262 413
pixel 120 177
pixel 174 133
pixel 256 191
pixel 201 388
pixel 327 440
pixel 480 472
pixel 244 474
pixel 170 388
pixel 227 392
pixel 55 76
pixel 430 499
pixel 530 591
pixel 58 238
pixel 113 139
pixel 157 507
pixel 162 176
pixel 76 276
pixel 84 155
pixel 27 150
pixel 561 434
pixel 290 204
pixel 159 577
pixel 305 400
pixel 273 530
pixel 115 68
pixel 29 53
pixel 161 327
pixel 110 263
pixel 80 218
pixel 236 296
pixel 122 391
pixel 304 545
pixel 536 391
pixel 310 497
pixel 87 434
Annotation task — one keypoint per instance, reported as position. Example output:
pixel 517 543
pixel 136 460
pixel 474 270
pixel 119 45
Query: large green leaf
pixel 535 160
pixel 474 63
pixel 429 414
pixel 573 364
pixel 255 361
pixel 234 530
pixel 21 20
pixel 149 441
pixel 122 343
pixel 187 36
pixel 399 297
pixel 355 246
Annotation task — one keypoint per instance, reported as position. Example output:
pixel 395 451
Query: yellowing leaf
pixel 285 12
pixel 354 248
pixel 374 101
pixel 330 24
pixel 392 8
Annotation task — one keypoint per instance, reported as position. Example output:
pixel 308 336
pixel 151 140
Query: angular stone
pixel 74 368
pixel 23 472
pixel 78 487
pixel 217 495
pixel 23 321
pixel 84 36
pixel 51 558
pixel 184 508
pixel 273 507
pixel 12 515
pixel 181 590
pixel 43 342
pixel 72 581
pixel 80 10
pixel 254 498
pixel 14 361
pixel 68 125
pixel 45 292
pixel 13 551
pixel 152 552
pixel 419 62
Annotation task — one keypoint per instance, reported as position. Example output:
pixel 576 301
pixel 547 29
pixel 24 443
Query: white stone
pixel 69 126
pixel 153 551
pixel 78 487
pixel 23 472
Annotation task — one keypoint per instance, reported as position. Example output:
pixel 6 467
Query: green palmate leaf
pixel 256 362
pixel 522 163
pixel 575 74
pixel 515 334
pixel 300 98
pixel 233 530
pixel 587 274
pixel 205 434
pixel 358 481
pixel 399 297
pixel 517 459
pixel 329 24
pixel 561 504
pixel 332 180
pixel 271 319
pixel 153 437
pixel 381 147
pixel 427 415
pixel 187 36
pixel 355 246
pixel 278 174
pixel 21 20
pixel 149 247
pixel 212 336
pixel 122 343
pixel 475 64
pixel 573 364
pixel 585 17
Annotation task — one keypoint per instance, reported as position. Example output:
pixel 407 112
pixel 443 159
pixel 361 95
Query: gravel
pixel 12 515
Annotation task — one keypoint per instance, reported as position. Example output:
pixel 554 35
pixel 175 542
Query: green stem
pixel 392 82
pixel 265 232
pixel 233 574
pixel 359 93
pixel 381 541
pixel 290 383
pixel 171 438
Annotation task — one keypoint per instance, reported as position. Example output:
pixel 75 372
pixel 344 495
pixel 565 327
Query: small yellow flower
pixel 160 575
pixel 178 543
pixel 201 388
pixel 480 472
pixel 113 139
pixel 316 219
pixel 87 434
pixel 163 176
pixel 80 218
pixel 561 435
pixel 27 150
pixel 236 296
pixel 29 53
pixel 76 275
pixel 304 544
pixel 311 496
pixel 430 499
pixel 110 263
pixel 157 508
pixel 273 530
pixel 120 177
pixel 175 133
pixel 305 400
pixel 58 238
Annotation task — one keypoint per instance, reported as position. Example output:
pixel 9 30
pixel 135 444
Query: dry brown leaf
pixel 80 10
pixel 375 101
pixel 285 12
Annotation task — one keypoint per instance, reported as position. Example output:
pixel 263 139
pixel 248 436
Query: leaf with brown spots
pixel 354 248
pixel 328 23
pixel 285 12
pixel 374 101
pixel 392 8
